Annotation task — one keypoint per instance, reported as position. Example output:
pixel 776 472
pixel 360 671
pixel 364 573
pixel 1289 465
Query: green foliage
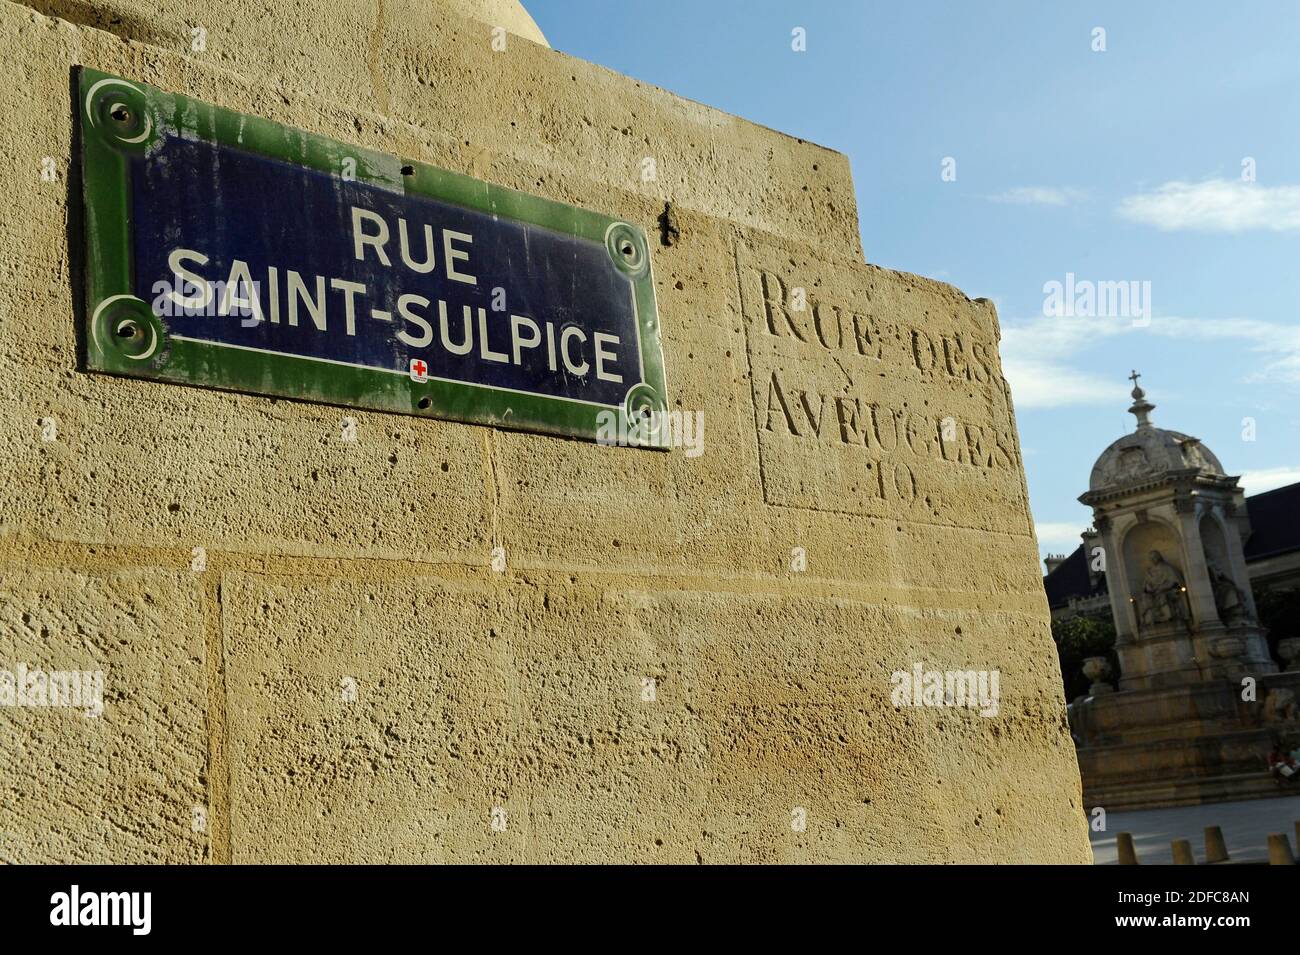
pixel 1077 639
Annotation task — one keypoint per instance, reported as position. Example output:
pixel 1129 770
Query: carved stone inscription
pixel 878 393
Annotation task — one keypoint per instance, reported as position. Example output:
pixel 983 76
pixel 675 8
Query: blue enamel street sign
pixel 228 251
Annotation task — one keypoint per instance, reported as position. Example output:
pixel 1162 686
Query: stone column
pixel 1238 527
pixel 1200 593
pixel 1121 603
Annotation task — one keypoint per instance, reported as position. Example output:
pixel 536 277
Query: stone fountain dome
pixel 1150 452
pixel 505 13
pixel 1170 527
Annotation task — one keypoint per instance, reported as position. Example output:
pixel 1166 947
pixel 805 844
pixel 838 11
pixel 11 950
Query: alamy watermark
pixel 972 689
pixel 1084 298
pixel 654 429
pixel 64 689
pixel 239 298
pixel 129 909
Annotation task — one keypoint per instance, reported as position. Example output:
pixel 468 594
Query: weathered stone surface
pixel 411 769
pixel 133 462
pixel 122 786
pixel 531 695
pixel 522 689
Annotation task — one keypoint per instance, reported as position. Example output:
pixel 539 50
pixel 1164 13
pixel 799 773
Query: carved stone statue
pixel 1098 670
pixel 1228 597
pixel 1280 706
pixel 1162 592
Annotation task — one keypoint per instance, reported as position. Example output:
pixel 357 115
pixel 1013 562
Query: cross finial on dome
pixel 1141 408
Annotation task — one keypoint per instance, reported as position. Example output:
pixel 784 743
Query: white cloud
pixel 1279 343
pixel 1036 384
pixel 1266 479
pixel 1215 205
pixel 1034 358
pixel 1038 196
pixel 1038 355
pixel 1057 536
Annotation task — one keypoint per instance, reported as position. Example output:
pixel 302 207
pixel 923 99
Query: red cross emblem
pixel 419 370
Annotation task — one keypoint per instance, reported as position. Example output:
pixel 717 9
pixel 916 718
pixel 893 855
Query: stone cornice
pixel 1189 478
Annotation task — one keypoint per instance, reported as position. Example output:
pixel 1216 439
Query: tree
pixel 1077 638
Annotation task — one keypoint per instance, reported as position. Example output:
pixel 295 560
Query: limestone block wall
pixel 341 675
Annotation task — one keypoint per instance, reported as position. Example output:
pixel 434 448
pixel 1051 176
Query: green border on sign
pixel 120 119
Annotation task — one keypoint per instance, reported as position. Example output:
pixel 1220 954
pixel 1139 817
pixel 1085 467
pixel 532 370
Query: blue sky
pixel 1117 166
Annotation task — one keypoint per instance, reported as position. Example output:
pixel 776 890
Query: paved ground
pixel 1245 825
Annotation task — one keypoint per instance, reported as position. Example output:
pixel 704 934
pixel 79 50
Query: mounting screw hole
pixel 425 403
pixel 120 113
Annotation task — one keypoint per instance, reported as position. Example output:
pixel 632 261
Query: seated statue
pixel 1162 592
pixel 1227 595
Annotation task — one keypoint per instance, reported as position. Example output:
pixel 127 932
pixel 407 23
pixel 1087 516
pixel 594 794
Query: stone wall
pixel 226 736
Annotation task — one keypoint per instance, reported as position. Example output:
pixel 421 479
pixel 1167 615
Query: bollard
pixel 1279 850
pixel 1216 850
pixel 1183 852
pixel 1127 854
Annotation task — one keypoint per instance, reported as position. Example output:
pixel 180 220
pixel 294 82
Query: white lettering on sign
pixel 510 339
pixel 377 236
pixel 602 356
pixel 450 255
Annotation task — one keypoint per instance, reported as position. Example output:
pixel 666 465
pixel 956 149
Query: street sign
pixel 232 252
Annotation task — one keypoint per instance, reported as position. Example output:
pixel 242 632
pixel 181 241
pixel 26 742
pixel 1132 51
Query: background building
pixel 1272 553
pixel 1198 701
